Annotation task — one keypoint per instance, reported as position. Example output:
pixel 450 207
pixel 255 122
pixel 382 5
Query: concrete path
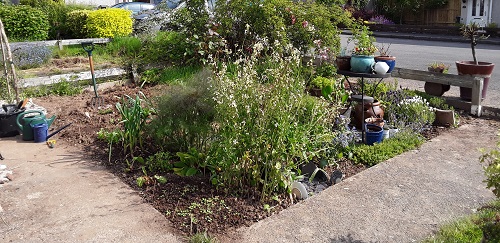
pixel 57 196
pixel 404 199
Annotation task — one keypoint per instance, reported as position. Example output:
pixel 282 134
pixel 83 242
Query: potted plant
pixel 343 61
pixel 386 57
pixel 434 88
pixel 472 32
pixel 362 58
pixel 438 67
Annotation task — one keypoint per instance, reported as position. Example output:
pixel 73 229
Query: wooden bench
pixel 476 83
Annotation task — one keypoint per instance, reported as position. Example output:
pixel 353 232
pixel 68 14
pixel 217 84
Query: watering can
pixel 28 120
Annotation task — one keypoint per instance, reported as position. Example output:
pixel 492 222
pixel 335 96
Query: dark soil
pixel 192 204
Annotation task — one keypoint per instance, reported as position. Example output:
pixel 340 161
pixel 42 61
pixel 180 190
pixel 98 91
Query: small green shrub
pixel 160 162
pixel 128 47
pixel 168 47
pixel 57 12
pixel 66 88
pixel 373 154
pixel 61 88
pixel 184 116
pixel 31 56
pixel 482 226
pixel 24 23
pixel 109 23
pixel 491 160
pixel 76 23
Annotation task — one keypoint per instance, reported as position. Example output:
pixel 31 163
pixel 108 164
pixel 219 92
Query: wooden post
pixel 9 59
pixel 477 95
pixel 6 73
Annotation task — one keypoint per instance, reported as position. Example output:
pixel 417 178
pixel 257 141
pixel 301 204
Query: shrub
pixel 76 23
pixel 166 47
pixel 109 23
pixel 31 56
pixel 24 22
pixel 300 23
pixel 491 160
pixel 185 114
pixel 128 47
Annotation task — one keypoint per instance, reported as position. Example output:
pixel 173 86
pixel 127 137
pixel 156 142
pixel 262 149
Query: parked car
pixel 135 7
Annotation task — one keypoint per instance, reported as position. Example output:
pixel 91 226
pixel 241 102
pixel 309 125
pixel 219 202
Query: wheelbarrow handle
pixel 88 47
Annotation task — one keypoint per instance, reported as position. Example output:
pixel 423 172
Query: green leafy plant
pixel 374 154
pixel 134 117
pixel 110 137
pixel 189 163
pixel 363 40
pixel 491 160
pixel 438 67
pixel 160 162
pixel 482 226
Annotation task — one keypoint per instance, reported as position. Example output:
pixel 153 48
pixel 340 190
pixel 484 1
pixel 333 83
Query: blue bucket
pixel 374 134
pixel 40 132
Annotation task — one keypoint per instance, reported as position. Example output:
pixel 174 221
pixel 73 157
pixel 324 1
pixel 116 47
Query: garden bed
pixel 198 206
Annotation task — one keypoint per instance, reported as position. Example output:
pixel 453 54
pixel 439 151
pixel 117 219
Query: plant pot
pixel 346 112
pixel 435 89
pixel 362 64
pixel 386 134
pixel 482 69
pixel 373 134
pixel 444 118
pixel 343 63
pixel 390 60
pixel 375 121
pixel 371 109
pixel 315 92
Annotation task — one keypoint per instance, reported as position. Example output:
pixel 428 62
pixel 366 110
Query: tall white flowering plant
pixel 265 124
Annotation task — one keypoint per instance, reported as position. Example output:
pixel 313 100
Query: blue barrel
pixel 40 132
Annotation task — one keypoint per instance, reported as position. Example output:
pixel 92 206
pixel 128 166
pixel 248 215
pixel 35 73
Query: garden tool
pixel 96 101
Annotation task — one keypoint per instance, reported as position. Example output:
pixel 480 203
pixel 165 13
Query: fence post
pixel 477 88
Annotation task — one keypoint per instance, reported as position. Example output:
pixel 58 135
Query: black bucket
pixel 8 116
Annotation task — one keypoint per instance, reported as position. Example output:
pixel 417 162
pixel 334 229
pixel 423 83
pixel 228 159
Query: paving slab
pixel 58 196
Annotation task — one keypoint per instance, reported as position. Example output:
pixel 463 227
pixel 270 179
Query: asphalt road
pixel 418 54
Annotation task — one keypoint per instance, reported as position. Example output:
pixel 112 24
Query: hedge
pixel 24 22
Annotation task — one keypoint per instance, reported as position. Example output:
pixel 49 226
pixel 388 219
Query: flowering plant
pixel 363 41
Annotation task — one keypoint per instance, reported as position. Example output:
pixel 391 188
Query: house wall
pixel 495 12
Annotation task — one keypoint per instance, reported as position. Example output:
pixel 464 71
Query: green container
pixel 31 117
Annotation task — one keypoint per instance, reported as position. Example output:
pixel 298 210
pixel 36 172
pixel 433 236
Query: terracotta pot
pixel 369 110
pixel 482 69
pixel 390 60
pixel 343 63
